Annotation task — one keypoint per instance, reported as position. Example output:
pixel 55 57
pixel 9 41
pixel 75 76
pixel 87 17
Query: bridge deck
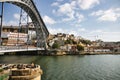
pixel 6 49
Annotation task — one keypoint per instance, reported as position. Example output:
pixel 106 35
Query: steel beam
pixel 1 25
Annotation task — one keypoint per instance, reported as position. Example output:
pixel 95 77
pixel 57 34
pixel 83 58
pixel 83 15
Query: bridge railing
pixel 6 48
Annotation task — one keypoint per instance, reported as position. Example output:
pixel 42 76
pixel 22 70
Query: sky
pixel 90 19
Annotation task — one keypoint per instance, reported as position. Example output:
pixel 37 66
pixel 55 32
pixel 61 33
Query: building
pixel 15 35
pixel 17 38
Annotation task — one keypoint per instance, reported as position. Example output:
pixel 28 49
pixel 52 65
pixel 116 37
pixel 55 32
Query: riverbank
pixel 99 53
pixel 59 53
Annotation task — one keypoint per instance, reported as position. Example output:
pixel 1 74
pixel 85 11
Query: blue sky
pixel 91 19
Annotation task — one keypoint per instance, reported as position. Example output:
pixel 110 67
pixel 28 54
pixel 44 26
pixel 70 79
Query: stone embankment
pixel 21 72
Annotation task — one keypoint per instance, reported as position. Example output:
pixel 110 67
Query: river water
pixel 86 67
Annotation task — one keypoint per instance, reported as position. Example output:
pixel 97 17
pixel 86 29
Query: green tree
pixel 80 48
pixel 68 41
pixel 74 42
pixel 1 70
pixel 85 41
pixel 55 46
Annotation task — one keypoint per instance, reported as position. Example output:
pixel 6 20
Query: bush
pixel 1 70
pixel 85 41
pixel 55 46
pixel 70 41
pixel 80 48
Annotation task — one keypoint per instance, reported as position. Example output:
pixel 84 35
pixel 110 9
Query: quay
pixel 21 71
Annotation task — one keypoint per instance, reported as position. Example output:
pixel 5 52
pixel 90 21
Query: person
pixel 32 65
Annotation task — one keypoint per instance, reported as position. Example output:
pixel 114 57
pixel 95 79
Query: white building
pixel 101 50
pixel 16 36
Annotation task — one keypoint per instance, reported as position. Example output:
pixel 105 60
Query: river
pixel 85 67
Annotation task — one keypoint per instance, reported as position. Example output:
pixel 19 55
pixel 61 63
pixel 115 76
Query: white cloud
pixel 98 13
pixel 96 31
pixel 80 17
pixel 110 36
pixel 48 20
pixel 76 25
pixel 60 0
pixel 71 11
pixel 60 30
pixel 53 11
pixel 16 16
pixel 112 14
pixel 13 23
pixel 73 4
pixel 68 12
pixel 77 32
pixel 103 35
pixel 87 4
pixel 55 4
pixel 81 29
pixel 54 31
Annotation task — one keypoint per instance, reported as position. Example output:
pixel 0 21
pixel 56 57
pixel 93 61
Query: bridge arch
pixel 41 31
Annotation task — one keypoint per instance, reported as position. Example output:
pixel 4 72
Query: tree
pixel 55 46
pixel 1 70
pixel 68 41
pixel 85 41
pixel 80 48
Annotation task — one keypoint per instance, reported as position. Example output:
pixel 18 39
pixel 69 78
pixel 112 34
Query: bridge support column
pixel 41 40
pixel 1 24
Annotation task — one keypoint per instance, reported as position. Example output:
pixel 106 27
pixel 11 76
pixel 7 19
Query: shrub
pixel 55 46
pixel 80 48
